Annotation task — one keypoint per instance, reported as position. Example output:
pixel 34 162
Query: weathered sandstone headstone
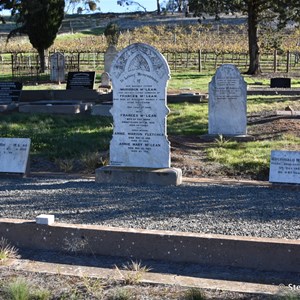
pixel 57 67
pixel 105 80
pixel 109 56
pixel 227 102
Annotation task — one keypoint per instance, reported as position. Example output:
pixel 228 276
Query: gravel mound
pixel 246 210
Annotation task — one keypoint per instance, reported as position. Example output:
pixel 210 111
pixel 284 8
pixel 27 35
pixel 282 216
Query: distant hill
pixel 83 22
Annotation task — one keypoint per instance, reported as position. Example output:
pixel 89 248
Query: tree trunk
pixel 43 54
pixel 254 53
pixel 158 7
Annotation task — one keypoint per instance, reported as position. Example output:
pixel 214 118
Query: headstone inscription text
pixel 227 102
pixel 285 166
pixel 80 80
pixel 14 155
pixel 139 77
pixel 10 91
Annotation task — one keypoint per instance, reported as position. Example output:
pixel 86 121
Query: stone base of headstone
pixel 214 137
pixel 135 176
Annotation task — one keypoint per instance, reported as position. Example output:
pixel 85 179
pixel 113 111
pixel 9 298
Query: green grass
pixel 64 139
pixel 188 119
pixel 59 136
pixel 249 157
pixel 194 80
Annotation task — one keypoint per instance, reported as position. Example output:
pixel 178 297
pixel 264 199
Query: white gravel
pixel 247 210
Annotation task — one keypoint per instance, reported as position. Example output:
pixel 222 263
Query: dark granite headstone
pixel 280 82
pixel 10 91
pixel 80 80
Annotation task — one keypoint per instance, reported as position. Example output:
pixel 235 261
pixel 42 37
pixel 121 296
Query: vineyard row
pixel 26 65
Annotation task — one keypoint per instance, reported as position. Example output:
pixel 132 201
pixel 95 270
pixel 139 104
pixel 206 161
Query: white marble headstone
pixel 14 154
pixel 285 166
pixel 57 67
pixel 139 77
pixel 227 102
pixel 109 56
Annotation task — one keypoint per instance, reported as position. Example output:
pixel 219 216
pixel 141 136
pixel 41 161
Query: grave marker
pixel 285 167
pixel 139 77
pixel 227 102
pixel 57 67
pixel 14 154
pixel 105 80
pixel 10 91
pixel 80 80
pixel 109 56
pixel 280 82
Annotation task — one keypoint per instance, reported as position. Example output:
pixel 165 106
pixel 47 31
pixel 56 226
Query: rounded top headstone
pixel 140 57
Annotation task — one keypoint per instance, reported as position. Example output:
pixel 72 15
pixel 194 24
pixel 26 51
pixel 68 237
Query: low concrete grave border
pixel 217 250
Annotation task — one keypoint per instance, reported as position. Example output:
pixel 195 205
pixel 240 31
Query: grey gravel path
pixel 247 210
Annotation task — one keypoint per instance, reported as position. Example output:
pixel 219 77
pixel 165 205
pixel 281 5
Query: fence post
pixel 288 61
pixel 78 61
pixel 12 66
pixel 199 61
pixel 275 61
pixel 175 61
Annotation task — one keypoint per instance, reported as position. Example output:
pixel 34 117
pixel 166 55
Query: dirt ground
pixel 188 152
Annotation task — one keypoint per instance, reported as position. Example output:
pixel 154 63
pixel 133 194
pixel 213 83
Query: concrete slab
pixel 8 107
pixel 50 109
pixel 101 110
pixel 141 244
pixel 287 113
pixel 147 277
pixel 238 138
pixel 134 176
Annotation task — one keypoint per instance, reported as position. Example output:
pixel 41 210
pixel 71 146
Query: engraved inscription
pixel 139 109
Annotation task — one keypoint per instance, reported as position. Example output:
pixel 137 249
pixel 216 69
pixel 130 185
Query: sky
pixel 112 6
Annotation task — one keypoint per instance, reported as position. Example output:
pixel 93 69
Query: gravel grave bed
pixel 245 210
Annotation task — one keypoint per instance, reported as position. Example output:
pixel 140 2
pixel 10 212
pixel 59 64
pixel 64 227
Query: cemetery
pixel 194 175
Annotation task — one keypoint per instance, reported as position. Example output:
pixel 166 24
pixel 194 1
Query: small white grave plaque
pixel 14 154
pixel 139 77
pixel 227 102
pixel 285 166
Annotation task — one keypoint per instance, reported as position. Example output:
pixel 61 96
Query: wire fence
pixel 26 66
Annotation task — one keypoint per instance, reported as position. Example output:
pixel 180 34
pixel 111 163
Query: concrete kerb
pixel 148 277
pixel 209 249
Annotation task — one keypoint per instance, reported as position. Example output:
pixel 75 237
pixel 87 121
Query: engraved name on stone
pixel 14 154
pixel 227 102
pixel 285 166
